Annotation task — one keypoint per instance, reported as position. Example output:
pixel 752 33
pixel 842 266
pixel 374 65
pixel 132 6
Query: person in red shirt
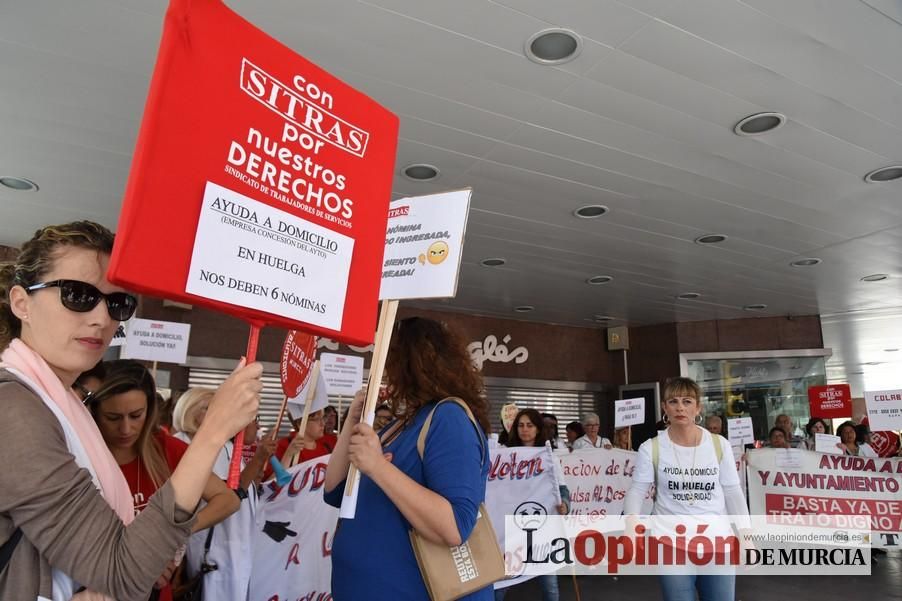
pixel 294 449
pixel 126 412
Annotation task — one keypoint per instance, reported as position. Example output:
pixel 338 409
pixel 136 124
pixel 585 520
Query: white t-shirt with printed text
pixel 690 481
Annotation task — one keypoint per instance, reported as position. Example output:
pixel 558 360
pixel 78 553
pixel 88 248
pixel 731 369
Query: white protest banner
pixel 150 340
pixel 740 430
pixel 629 412
pixel 599 479
pixel 343 374
pixel 884 409
pixel 251 254
pixel 293 546
pixel 827 443
pixel 521 482
pixel 423 245
pixel 834 485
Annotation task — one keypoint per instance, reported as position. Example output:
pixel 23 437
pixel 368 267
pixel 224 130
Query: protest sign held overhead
pixel 284 177
pixel 151 340
pixel 342 374
pixel 629 412
pixel 424 245
pixel 884 409
pixel 830 402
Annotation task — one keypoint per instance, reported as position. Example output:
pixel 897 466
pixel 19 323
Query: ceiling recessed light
pixel 884 174
pixel 873 363
pixel 890 350
pixel 553 46
pixel 807 262
pixel 876 277
pixel 855 373
pixel 524 308
pixel 18 183
pixel 688 296
pixel 602 318
pixel 755 307
pixel 711 239
pixel 420 172
pixel 598 280
pixel 494 262
pixel 759 123
pixel 590 211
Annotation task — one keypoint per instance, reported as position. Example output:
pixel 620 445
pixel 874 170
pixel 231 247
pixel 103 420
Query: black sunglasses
pixel 81 297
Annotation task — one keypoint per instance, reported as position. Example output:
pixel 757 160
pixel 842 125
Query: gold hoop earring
pixel 665 419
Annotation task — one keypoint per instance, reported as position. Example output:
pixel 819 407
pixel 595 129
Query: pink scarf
pixel 113 485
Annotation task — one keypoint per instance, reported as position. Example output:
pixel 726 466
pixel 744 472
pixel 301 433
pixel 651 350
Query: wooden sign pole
pixel 311 394
pixel 377 368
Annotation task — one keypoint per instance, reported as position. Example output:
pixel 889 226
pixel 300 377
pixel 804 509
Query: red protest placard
pixel 260 183
pixel 298 355
pixel 830 402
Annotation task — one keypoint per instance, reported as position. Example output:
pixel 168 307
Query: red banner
pixel 260 183
pixel 830 402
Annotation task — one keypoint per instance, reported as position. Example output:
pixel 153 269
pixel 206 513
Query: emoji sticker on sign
pixel 437 252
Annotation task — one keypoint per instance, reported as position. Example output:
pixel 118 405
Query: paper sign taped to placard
pixel 629 412
pixel 253 255
pixel 342 374
pixel 149 340
pixel 740 430
pixel 423 245
pixel 884 409
pixel 827 443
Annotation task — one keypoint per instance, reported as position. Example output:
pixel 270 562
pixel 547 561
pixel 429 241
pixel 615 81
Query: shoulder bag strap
pixel 718 449
pixel 6 551
pixel 421 439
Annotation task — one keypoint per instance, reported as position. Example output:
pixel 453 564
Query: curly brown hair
pixel 36 258
pixel 428 361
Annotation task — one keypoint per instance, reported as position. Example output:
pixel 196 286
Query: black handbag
pixel 193 588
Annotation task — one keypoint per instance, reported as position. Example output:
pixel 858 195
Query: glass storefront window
pixel 760 385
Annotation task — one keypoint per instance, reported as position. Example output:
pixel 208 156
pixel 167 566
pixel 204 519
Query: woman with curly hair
pixel 439 494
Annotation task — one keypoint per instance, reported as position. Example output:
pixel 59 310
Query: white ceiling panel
pixel 642 122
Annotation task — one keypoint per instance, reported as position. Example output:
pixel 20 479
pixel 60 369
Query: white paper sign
pixel 150 340
pixel 342 374
pixel 826 443
pixel 884 410
pixel 788 458
pixel 423 245
pixel 740 430
pixel 629 412
pixel 250 254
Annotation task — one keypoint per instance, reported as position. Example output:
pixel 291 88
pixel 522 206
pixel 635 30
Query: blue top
pixel 371 555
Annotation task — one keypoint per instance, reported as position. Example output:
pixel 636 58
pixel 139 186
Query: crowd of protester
pixel 111 491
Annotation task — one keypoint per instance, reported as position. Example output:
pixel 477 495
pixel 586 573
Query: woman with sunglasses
pixel 67 518
pixel 438 494
pixel 125 409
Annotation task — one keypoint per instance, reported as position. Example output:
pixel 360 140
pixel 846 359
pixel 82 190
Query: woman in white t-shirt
pixel 693 478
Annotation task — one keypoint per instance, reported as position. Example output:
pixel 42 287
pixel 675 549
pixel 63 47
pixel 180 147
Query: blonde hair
pixel 185 412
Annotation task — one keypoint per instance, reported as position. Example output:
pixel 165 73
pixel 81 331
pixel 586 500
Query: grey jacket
pixel 64 520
